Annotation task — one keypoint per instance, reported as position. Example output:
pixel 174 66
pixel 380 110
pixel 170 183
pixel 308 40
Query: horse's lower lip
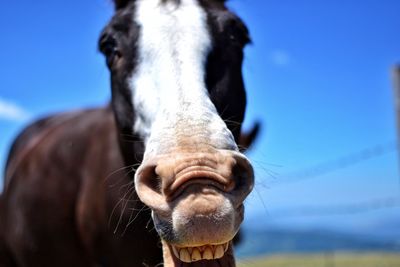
pixel 207 252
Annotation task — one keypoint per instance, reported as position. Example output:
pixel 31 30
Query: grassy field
pixel 326 260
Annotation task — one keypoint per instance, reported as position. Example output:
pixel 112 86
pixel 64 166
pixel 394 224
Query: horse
pixel 158 175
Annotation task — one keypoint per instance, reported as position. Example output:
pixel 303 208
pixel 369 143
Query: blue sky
pixel 317 75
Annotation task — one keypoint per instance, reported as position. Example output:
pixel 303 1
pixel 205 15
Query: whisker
pixel 130 217
pixel 133 166
pixel 223 111
pixel 123 210
pixel 130 189
pixel 233 122
pixel 127 185
pixel 262 202
pixel 147 225
pixel 116 171
pixel 137 215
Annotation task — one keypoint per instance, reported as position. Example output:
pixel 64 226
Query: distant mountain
pixel 272 241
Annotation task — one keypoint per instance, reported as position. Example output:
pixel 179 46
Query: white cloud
pixel 11 111
pixel 280 57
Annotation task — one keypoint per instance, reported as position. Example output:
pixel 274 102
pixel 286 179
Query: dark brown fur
pixel 69 194
pixel 68 197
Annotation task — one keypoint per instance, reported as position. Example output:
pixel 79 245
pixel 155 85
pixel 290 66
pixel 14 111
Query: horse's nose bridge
pixel 190 127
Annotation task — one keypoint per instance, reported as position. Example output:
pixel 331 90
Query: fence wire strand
pixel 340 163
pixel 327 167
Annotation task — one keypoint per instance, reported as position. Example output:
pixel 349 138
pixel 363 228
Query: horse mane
pixel 123 3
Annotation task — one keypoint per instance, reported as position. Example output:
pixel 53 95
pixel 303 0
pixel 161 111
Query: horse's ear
pixel 121 3
pixel 248 138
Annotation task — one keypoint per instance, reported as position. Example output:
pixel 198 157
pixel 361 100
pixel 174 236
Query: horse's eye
pixel 109 48
pixel 238 33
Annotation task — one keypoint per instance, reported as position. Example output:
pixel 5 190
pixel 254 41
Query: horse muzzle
pixel 196 199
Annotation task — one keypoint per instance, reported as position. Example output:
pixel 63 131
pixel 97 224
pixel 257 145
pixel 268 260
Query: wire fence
pixel 339 209
pixel 321 169
pixel 340 163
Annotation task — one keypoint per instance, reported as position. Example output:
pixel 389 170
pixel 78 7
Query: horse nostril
pixel 148 187
pixel 243 176
pixel 147 177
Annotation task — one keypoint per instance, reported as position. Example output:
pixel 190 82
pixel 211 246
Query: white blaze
pixel 168 85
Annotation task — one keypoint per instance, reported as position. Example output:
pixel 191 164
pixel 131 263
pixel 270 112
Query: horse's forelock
pixel 123 3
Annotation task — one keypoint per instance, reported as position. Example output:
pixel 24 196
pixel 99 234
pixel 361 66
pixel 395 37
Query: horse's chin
pixel 198 218
pixel 205 256
pixel 199 228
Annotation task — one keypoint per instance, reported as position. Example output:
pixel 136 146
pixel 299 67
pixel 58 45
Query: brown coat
pixel 68 199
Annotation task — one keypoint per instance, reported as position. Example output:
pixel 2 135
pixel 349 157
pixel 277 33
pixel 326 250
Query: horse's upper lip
pixel 199 175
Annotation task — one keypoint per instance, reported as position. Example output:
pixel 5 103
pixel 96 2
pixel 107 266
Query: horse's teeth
pixel 219 252
pixel 208 254
pixel 175 251
pixel 196 256
pixel 184 255
pixel 193 254
pixel 226 246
